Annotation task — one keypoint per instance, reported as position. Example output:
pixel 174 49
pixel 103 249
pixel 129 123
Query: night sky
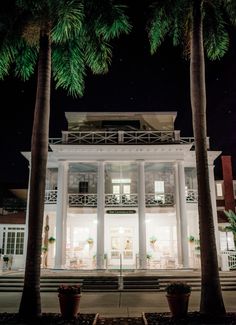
pixel 137 81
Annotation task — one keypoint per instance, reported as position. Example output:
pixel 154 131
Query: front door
pixel 122 247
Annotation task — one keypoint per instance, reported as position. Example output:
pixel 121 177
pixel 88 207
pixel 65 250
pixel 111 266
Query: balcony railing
pixel 121 200
pixel 191 196
pixel 112 200
pixel 161 200
pixel 82 200
pixel 120 137
pixel 50 197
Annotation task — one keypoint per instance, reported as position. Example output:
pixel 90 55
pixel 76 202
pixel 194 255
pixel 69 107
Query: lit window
pixel 159 191
pixel 121 181
pixel 219 191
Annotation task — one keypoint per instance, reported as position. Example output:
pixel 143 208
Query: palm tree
pixel 199 25
pixel 232 221
pixel 65 36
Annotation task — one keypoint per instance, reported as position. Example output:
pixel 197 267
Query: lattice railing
pixel 120 137
pixel 124 200
pixel 82 200
pixel 50 197
pixel 154 200
pixel 191 196
pixel 231 259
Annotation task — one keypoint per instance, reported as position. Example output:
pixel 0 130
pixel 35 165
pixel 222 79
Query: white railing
pixel 124 200
pixel 50 197
pixel 82 200
pixel 230 260
pixel 191 196
pixel 120 137
pixel 165 199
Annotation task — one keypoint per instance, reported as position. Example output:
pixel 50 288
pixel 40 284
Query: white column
pixel 100 215
pixel 141 214
pixel 62 200
pixel 27 219
pixel 177 206
pixel 213 203
pixel 183 215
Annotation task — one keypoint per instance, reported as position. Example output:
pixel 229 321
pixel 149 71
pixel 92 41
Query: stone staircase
pixel 106 283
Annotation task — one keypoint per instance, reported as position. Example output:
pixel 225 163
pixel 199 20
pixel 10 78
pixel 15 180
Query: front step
pixel 111 283
pixel 140 283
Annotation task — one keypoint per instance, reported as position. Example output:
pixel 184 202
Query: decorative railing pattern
pixel 121 200
pixel 154 200
pixel 191 196
pixel 82 200
pixel 120 137
pixel 50 197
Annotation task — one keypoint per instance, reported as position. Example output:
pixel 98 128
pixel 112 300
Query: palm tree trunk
pixel 30 306
pixel 211 295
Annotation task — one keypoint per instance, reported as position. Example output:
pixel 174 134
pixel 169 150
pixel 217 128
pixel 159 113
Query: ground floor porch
pixel 81 240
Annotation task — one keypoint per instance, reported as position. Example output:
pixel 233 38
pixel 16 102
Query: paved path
pixel 113 304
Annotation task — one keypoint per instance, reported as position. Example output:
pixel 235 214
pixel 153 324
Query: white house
pixel 121 191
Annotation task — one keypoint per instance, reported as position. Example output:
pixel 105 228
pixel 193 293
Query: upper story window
pixel 234 185
pixel 159 188
pixel 219 189
pixel 83 187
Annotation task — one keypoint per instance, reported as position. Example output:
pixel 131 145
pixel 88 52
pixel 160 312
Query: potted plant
pixel 191 239
pixel 5 262
pixel 177 294
pixel 69 300
pixel 153 239
pixel 51 240
pixel 90 241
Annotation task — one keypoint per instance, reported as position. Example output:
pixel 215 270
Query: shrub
pixel 178 288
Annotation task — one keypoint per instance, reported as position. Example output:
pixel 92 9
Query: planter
pixel 178 304
pixel 69 305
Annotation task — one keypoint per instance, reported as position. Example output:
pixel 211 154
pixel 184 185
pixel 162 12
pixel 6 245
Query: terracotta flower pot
pixel 178 304
pixel 69 305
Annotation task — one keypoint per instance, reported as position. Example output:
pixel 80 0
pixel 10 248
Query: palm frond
pixel 68 68
pixel 111 23
pixel 158 27
pixel 216 37
pixel 230 7
pixel 25 60
pixel 69 21
pixel 7 55
pixel 231 218
pixel 98 54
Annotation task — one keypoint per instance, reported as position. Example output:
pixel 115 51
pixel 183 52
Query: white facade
pixel 121 192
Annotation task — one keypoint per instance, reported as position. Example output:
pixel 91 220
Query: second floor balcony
pixel 120 200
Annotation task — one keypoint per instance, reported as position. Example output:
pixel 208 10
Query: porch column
pixel 177 206
pixel 141 215
pixel 61 216
pixel 26 220
pixel 183 222
pixel 214 208
pixel 100 215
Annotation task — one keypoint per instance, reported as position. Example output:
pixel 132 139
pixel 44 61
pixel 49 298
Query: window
pixel 219 191
pixel 159 189
pixel 13 241
pixel 83 187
